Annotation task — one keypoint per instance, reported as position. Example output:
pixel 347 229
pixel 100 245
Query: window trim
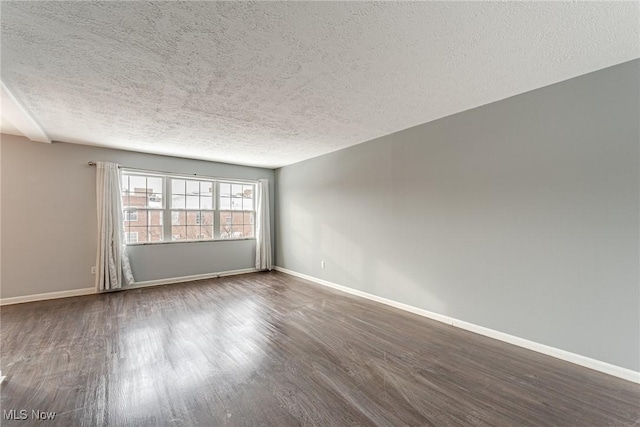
pixel 167 209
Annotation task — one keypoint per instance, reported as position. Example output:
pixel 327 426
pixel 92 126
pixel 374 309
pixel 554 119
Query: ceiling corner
pixel 14 113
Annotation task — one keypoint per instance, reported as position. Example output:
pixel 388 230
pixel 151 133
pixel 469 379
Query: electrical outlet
pixel 93 270
pixel 322 264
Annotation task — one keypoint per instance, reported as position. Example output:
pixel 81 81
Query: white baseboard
pixel 191 278
pixel 89 291
pixel 587 362
pixel 48 295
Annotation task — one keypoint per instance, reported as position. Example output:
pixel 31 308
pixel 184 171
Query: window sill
pixel 188 241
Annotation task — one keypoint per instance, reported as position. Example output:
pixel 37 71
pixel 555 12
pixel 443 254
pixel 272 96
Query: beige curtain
pixel 112 263
pixel 263 227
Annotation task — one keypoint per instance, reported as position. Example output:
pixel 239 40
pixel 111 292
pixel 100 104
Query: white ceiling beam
pixel 13 111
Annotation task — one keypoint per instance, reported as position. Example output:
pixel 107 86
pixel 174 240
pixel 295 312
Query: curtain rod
pixel 218 178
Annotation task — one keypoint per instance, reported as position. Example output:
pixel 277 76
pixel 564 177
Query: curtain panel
pixel 112 263
pixel 263 227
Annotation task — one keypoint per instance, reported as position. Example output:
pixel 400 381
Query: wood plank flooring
pixel 271 349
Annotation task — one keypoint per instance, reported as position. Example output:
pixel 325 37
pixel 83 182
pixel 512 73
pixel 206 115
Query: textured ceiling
pixel 269 84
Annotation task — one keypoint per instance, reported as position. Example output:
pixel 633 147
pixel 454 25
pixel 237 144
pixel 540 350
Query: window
pixel 192 215
pixel 143 204
pixel 130 215
pixel 236 210
pixel 131 237
pixel 196 208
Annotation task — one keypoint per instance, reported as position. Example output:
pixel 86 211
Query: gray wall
pixel 49 229
pixel 521 216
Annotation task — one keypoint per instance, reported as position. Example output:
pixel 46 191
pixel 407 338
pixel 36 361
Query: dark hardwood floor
pixel 271 349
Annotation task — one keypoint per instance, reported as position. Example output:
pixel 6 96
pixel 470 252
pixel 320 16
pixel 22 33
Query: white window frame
pixel 186 211
pixel 167 210
pixel 219 220
pixel 148 209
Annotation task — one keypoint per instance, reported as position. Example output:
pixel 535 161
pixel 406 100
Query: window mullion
pixel 147 205
pixel 166 211
pixel 216 211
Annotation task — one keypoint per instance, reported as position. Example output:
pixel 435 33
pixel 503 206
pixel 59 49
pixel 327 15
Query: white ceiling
pixel 15 120
pixel 269 84
pixel 8 128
